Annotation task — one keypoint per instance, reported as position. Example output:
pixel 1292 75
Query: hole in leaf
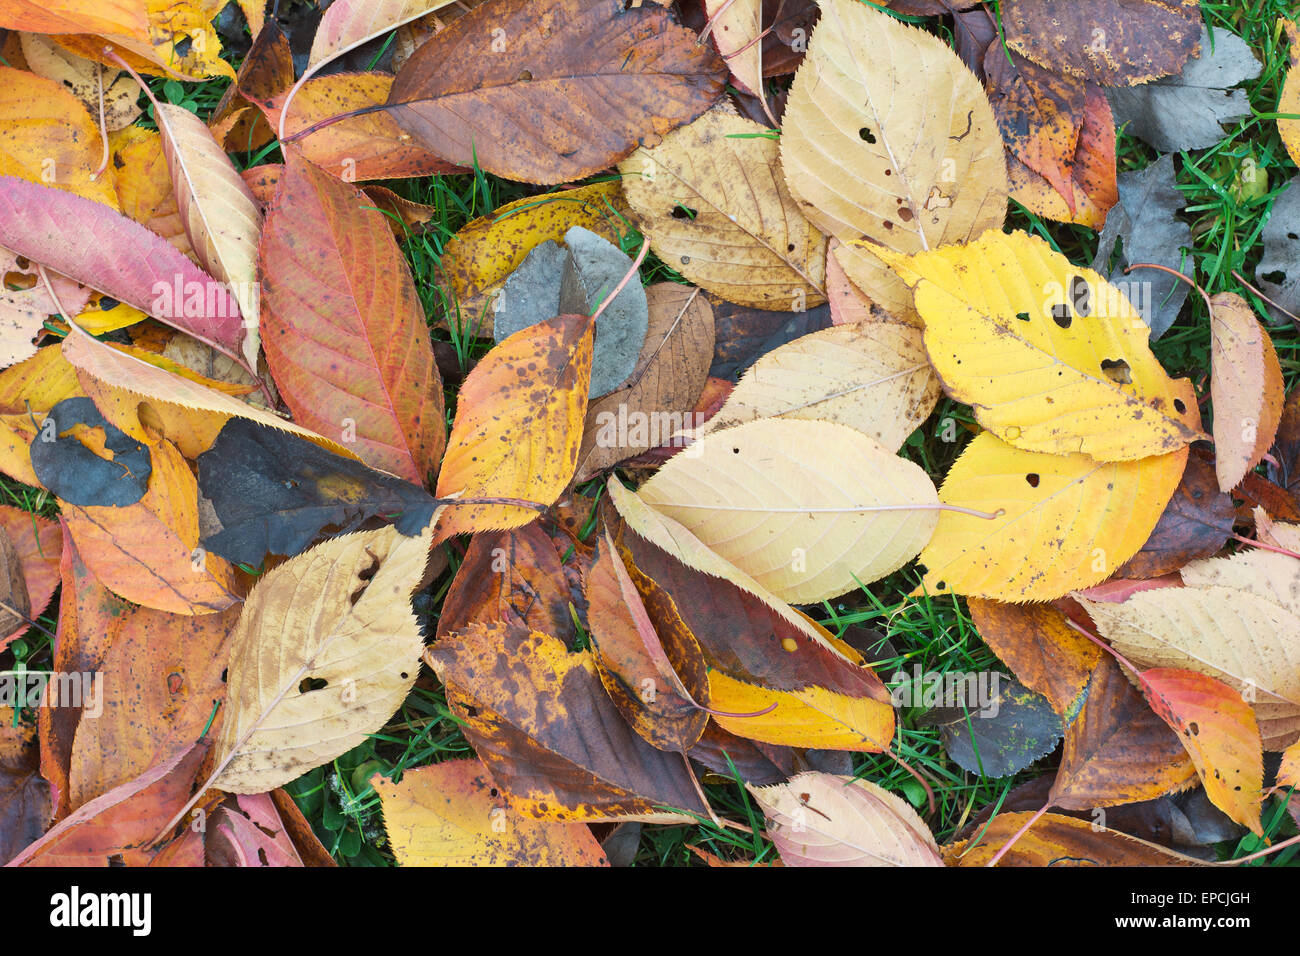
pixel 681 211
pixel 525 76
pixel 1293 235
pixel 1022 316
pixel 183 47
pixel 866 135
pixel 471 711
pixel 1194 729
pixel 1032 478
pixel 1061 315
pixel 1081 296
pixel 1180 406
pixel 309 684
pixel 735 451
pixel 1277 277
pixel 1117 371
pixel 403 675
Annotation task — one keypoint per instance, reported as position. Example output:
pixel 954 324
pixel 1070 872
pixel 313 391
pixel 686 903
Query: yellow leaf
pixel 446 815
pixel 1067 521
pixel 326 650
pixel 716 208
pixel 480 257
pixel 46 136
pixel 518 427
pixel 81 77
pixel 1289 101
pixel 810 717
pixel 809 509
pixel 144 185
pixel 1051 357
pixel 888 137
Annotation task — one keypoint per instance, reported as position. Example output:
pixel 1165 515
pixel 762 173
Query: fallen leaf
pixel 246 831
pixel 274 493
pixel 999 736
pixel 1289 101
pixel 872 376
pixel 37 544
pixel 1117 750
pixel 820 819
pixel 1067 521
pixel 1058 840
pixel 450 814
pixel 148 552
pixel 342 326
pixel 347 24
pixel 880 171
pixel 82 459
pixel 1146 224
pixel 1278 272
pixel 743 335
pixel 550 737
pixel 656 401
pixel 810 509
pixel 24 795
pixel 326 649
pixel 144 186
pixel 584 83
pixel 715 205
pixel 518 425
pixel 1218 729
pixel 1246 387
pixel 84 80
pixel 1188 111
pixel 1112 42
pixel 1051 357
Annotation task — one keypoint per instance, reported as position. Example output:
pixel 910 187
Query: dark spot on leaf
pixel 866 135
pixel 1180 406
pixel 1117 371
pixel 1061 315
pixel 1032 478
pixel 309 684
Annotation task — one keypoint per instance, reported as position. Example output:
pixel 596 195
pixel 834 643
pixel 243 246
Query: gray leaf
pixel 1185 111
pixel 1278 272
pixel 1002 737
pixel 1146 220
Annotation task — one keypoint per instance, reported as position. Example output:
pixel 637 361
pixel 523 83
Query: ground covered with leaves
pixel 732 432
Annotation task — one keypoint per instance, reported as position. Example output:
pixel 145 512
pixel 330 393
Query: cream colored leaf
pixel 349 23
pixel 1067 521
pixel 1247 641
pixel 677 540
pixel 820 819
pixel 712 200
pixel 1266 574
pixel 809 509
pixel 872 376
pixel 1246 384
pixel 326 650
pixel 218 210
pixel 888 137
pixel 737 31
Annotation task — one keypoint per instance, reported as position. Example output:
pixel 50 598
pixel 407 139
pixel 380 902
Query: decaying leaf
pixel 999 736
pixel 864 158
pixel 1196 523
pixel 450 814
pixel 1246 385
pixel 1058 840
pixel 326 649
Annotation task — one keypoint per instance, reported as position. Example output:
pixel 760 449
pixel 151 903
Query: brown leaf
pixel 581 84
pixel 37 544
pixel 1058 840
pixel 1042 650
pixel 549 735
pixel 1114 42
pixel 656 400
pixel 1117 750
pixel 24 795
pixel 1195 524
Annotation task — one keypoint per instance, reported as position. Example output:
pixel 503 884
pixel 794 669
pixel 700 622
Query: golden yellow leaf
pixel 1067 521
pixel 144 184
pixel 1289 101
pixel 871 376
pixel 479 258
pixel 46 136
pixel 812 716
pixel 449 814
pixel 888 137
pixel 1055 839
pixel 808 509
pixel 1246 385
pixel 518 425
pixel 1051 357
pixel 326 649
pixel 716 208
pixel 820 819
